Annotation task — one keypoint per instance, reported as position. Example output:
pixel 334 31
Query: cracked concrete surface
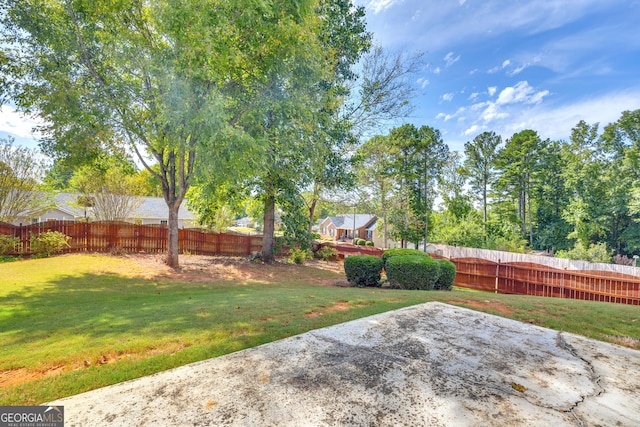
pixel 431 364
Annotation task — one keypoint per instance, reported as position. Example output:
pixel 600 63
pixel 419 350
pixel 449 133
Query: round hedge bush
pixel 360 242
pixel 368 243
pixel 363 270
pixel 400 251
pixel 412 272
pixel 447 275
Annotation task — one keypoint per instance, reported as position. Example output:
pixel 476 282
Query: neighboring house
pixel 245 222
pixel 152 210
pixel 341 227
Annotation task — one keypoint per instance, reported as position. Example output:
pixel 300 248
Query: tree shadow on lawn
pixel 92 311
pixel 78 317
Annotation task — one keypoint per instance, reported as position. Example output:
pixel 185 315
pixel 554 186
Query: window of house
pixel 369 234
pixel 356 233
pixel 323 230
pixel 163 222
pixel 34 220
pixel 331 232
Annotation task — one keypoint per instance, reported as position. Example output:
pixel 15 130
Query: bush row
pixel 405 268
pixel 46 244
pixel 362 242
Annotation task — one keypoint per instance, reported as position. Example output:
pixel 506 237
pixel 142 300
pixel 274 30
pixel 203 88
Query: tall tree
pixel 551 198
pixel 151 75
pixel 110 187
pixel 20 173
pixel 585 164
pixel 518 162
pixel 342 32
pixel 480 157
pixel 373 165
pixel 418 158
pixel 452 183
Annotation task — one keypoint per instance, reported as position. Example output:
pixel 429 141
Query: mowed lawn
pixel 78 322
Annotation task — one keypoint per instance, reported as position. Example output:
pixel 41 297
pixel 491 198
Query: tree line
pixel 578 198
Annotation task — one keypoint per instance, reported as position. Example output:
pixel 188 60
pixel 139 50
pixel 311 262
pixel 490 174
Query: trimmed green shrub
pixel 49 243
pixel 369 243
pixel 363 270
pixel 447 275
pixel 412 272
pixel 359 242
pixel 400 251
pixel 299 256
pixel 8 244
pixel 327 253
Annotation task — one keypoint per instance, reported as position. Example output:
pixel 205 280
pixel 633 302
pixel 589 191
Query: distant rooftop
pixel 346 220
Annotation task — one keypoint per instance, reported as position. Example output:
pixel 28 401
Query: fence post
pixel 497 275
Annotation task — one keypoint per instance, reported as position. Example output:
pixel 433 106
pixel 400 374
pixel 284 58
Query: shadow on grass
pixel 96 306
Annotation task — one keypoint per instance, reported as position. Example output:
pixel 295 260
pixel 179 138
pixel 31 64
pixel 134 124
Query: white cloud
pixel 479 105
pixel 447 117
pixel 492 112
pixel 537 97
pixel 473 96
pixel 491 90
pixel 517 70
pixel 557 122
pixel 437 70
pixel 423 82
pixel 448 96
pixel 448 24
pixel 378 6
pixel 450 59
pixel 471 130
pixel 497 68
pixel 521 92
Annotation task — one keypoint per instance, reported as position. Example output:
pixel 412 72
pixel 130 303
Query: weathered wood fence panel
pixel 127 237
pixel 540 280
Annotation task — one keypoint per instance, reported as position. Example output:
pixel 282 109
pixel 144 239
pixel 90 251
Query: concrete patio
pixel 430 365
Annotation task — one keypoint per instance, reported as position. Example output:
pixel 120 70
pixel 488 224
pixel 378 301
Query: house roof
pixel 150 208
pixel 346 220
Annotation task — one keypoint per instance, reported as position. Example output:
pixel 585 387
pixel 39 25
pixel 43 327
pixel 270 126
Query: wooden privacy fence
pixel 350 250
pixel 540 280
pixel 126 237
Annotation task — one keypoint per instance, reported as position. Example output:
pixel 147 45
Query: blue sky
pixel 501 65
pixel 509 65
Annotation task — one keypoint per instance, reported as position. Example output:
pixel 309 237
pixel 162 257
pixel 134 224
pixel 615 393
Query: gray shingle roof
pixel 151 207
pixel 346 220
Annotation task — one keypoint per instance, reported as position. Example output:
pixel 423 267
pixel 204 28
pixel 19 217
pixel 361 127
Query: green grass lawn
pixel 75 323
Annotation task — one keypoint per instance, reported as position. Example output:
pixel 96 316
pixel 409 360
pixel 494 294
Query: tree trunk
pixel 484 207
pixel 268 238
pixel 529 211
pixel 312 212
pixel 386 229
pixel 173 244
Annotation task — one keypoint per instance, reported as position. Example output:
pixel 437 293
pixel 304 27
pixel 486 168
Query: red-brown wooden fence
pixel 126 237
pixel 540 280
pixel 475 273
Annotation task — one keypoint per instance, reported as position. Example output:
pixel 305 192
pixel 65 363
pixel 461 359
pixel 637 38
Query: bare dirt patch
pixel 13 377
pixel 339 306
pixel 200 268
